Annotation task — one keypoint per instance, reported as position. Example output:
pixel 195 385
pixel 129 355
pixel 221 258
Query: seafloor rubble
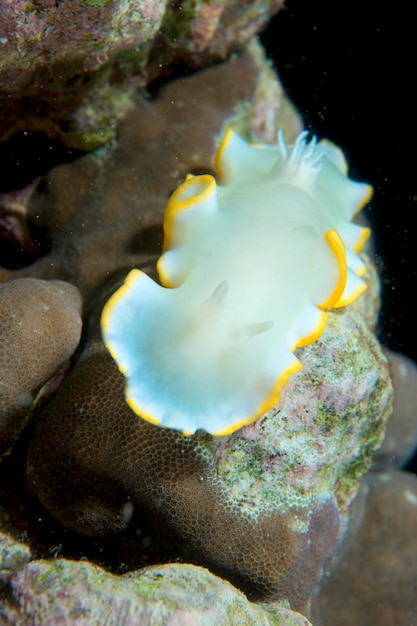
pixel 91 494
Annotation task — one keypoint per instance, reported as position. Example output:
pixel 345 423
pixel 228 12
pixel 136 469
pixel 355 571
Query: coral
pixel 68 592
pixel 40 329
pixel 401 435
pixel 71 69
pixel 263 507
pixel 375 582
pixel 117 196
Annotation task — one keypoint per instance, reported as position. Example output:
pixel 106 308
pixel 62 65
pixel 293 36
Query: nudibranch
pixel 249 267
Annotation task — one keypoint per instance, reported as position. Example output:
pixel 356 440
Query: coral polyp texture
pixel 249 268
pixel 40 327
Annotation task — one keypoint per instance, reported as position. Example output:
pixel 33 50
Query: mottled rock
pixel 40 327
pixel 79 593
pixel 13 556
pixel 264 507
pixel 64 66
pixel 376 581
pixel 401 435
pixel 71 69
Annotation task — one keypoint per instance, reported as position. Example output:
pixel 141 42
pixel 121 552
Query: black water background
pixel 351 70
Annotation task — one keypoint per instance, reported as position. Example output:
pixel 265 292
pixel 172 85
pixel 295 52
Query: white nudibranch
pixel 249 267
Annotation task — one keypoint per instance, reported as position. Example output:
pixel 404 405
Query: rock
pixel 71 69
pixel 13 556
pixel 82 594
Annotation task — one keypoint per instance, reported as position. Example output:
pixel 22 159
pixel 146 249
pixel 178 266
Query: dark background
pixel 352 75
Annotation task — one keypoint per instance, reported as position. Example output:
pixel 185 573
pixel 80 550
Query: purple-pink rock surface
pixel 71 69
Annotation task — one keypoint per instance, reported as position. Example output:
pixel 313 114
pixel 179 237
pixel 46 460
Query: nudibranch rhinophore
pixel 249 267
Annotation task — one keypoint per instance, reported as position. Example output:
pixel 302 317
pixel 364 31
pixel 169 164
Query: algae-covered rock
pixel 71 69
pixel 71 592
pixel 14 555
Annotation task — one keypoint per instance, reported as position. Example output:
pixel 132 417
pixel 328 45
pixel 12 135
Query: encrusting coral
pixel 40 327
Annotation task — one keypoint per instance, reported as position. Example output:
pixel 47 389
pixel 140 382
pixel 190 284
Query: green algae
pixel 96 3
